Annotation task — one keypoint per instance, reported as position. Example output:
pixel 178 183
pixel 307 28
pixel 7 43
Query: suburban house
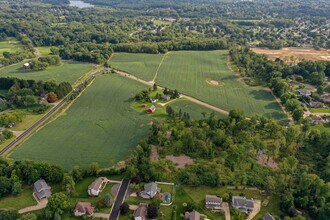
pixel 325 98
pixel 304 92
pixel 213 202
pixel 84 208
pixel 243 204
pixel 316 104
pixel 97 186
pixel 41 189
pixel 194 215
pixel 268 217
pixel 26 65
pixel 152 109
pixel 166 97
pixel 141 212
pixel 150 190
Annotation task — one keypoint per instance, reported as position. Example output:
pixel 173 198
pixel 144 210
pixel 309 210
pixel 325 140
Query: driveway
pixel 225 208
pixel 256 210
pixel 41 204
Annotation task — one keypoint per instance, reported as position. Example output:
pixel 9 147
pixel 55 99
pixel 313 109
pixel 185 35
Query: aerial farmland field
pixel 100 126
pixel 143 66
pixel 67 71
pixel 9 45
pixel 205 76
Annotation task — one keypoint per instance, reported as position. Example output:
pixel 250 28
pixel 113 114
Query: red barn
pixel 152 109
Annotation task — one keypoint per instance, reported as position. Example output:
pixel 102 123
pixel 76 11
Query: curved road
pixel 46 116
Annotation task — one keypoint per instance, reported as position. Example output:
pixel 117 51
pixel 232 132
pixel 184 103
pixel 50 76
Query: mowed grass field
pixel 68 71
pixel 9 45
pixel 190 71
pixel 99 127
pixel 143 66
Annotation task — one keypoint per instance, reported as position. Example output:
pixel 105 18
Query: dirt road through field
pixel 192 99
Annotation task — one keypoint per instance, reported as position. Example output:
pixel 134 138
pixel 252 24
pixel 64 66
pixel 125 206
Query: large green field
pixel 67 71
pixel 190 71
pixel 143 66
pixel 100 127
pixel 9 45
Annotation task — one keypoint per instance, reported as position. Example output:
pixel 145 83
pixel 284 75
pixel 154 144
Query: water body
pixel 80 4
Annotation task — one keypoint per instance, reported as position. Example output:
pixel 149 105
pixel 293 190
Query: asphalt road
pixel 119 200
pixel 46 116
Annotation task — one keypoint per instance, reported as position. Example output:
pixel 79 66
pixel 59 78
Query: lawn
pixel 99 127
pixel 23 200
pixel 320 110
pixel 143 66
pixel 44 50
pixel 198 196
pixel 82 195
pixel 67 71
pixel 191 72
pixel 9 45
pixel 195 110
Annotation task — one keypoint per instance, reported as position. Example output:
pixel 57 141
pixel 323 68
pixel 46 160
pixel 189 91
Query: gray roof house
pixel 243 204
pixel 166 97
pixel 213 202
pixel 268 217
pixel 304 92
pixel 41 189
pixel 150 190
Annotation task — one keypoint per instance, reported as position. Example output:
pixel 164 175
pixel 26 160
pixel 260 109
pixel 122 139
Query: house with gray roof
pixel 41 189
pixel 213 202
pixel 97 186
pixel 304 92
pixel 150 190
pixel 243 204
pixel 268 217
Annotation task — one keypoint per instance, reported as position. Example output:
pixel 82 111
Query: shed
pixel 152 109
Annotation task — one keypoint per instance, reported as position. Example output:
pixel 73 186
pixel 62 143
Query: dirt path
pixel 256 210
pixel 192 99
pixel 161 62
pixel 225 208
pixel 40 205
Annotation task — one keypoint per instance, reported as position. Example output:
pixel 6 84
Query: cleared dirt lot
pixel 297 53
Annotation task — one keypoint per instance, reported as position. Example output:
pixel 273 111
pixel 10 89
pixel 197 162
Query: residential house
pixel 141 212
pixel 268 217
pixel 152 109
pixel 316 104
pixel 41 189
pixel 84 208
pixel 194 215
pixel 243 204
pixel 213 202
pixel 304 92
pixel 325 98
pixel 316 119
pixel 166 97
pixel 150 190
pixel 97 186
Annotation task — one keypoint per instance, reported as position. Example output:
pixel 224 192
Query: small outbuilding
pixel 152 109
pixel 26 65
pixel 41 189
